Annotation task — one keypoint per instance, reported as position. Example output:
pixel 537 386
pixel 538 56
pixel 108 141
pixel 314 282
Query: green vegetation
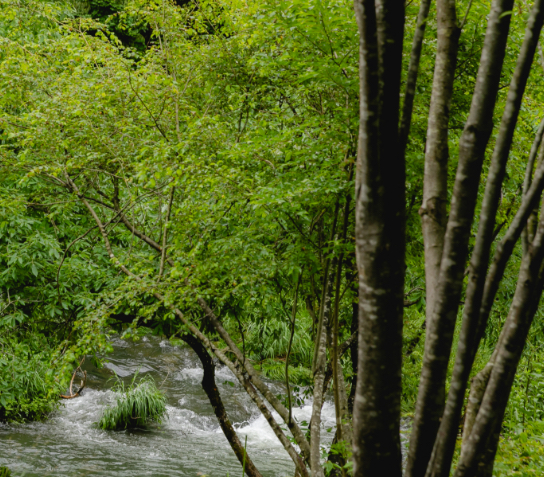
pixel 136 405
pixel 5 472
pixel 28 391
pixel 159 157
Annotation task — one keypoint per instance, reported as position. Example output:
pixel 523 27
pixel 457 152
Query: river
pixel 188 443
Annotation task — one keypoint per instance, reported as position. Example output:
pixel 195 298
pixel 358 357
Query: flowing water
pixel 188 443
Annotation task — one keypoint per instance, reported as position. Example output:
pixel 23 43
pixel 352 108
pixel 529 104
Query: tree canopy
pixel 330 195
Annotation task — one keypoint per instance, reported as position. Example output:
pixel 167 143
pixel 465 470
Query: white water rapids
pixel 188 443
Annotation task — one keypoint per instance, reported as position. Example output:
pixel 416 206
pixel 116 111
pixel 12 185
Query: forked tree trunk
pixel 440 328
pixel 380 244
pixel 435 183
pixel 481 442
pixel 435 188
pixel 469 337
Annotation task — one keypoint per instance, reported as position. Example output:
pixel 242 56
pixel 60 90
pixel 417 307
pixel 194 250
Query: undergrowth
pixel 28 388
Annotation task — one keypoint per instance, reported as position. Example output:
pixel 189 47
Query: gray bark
pixel 468 341
pixel 512 340
pixel 413 70
pixel 474 139
pixel 319 379
pixel 435 188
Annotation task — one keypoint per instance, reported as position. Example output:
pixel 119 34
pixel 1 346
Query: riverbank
pixel 188 443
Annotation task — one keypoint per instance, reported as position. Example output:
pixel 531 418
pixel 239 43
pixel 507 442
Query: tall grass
pixel 270 340
pixel 136 406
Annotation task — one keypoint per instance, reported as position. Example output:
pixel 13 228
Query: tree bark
pixel 435 184
pixel 475 397
pixel 340 398
pixel 210 388
pixel 413 69
pixel 474 139
pixel 319 378
pixel 380 240
pixel 468 341
pixel 511 344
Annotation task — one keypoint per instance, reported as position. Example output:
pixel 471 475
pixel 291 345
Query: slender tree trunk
pixel 435 184
pixel 351 278
pixel 511 344
pixel 165 231
pixel 210 388
pixel 430 402
pixel 380 240
pixel 413 69
pixel 319 378
pixel 340 398
pixel 435 187
pixel 475 397
pixel 468 342
pixel 354 353
pixel 529 231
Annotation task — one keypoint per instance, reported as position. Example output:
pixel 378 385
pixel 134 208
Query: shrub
pixel 27 391
pixel 135 406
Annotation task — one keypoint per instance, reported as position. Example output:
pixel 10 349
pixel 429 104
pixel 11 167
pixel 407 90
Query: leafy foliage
pixel 248 113
pixel 28 391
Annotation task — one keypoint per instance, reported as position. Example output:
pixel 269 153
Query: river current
pixel 188 443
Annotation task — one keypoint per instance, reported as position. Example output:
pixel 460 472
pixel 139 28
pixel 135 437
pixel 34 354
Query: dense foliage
pixel 227 133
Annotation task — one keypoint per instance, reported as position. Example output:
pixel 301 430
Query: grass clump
pixel 5 472
pixel 136 405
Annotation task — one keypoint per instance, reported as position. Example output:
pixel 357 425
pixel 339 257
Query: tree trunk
pixel 413 70
pixel 468 340
pixel 439 338
pixel 511 344
pixel 319 367
pixel 380 241
pixel 435 184
pixel 210 388
pixel 435 190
